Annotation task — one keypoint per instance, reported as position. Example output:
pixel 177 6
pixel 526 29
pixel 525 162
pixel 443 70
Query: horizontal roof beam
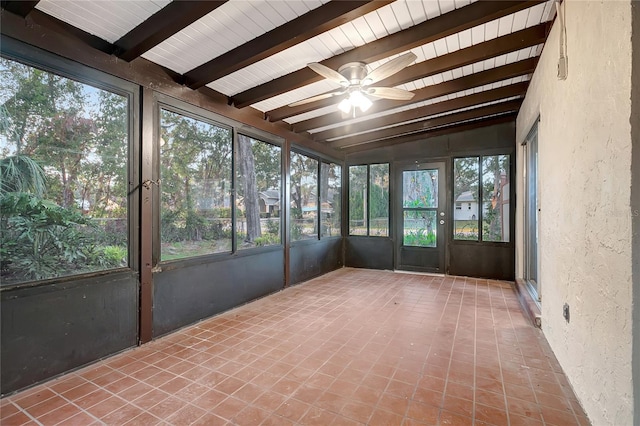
pixel 163 24
pixel 315 22
pixel 432 133
pixel 429 123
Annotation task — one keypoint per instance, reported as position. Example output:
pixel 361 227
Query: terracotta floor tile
pixel 186 415
pixel 292 409
pixel 385 418
pixel 106 406
pixel 47 406
pixel 16 419
pixel 269 401
pixel 491 415
pixel 66 383
pixel 557 417
pixel 229 407
pixel 423 412
pixel 33 397
pixel 59 414
pixel 357 411
pixel 144 419
pixel 353 347
pixel 122 415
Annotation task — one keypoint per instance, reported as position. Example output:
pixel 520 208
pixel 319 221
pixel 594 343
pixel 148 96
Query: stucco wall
pixel 584 191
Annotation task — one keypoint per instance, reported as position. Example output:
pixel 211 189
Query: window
pixel 304 197
pixel 495 198
pixel 330 199
pixel 195 173
pixel 465 178
pixel 64 151
pixel 258 177
pixel 420 207
pixel 369 200
pixel 482 182
pixel 358 218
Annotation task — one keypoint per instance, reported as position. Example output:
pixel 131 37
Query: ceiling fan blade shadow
pixel 390 93
pixel 389 68
pixel 328 73
pixel 316 98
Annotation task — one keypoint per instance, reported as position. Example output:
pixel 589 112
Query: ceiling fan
pixel 356 83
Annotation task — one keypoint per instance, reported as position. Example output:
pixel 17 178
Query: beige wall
pixel 584 191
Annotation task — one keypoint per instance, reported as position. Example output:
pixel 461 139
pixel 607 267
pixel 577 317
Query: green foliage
pixel 267 240
pixel 40 239
pixel 20 173
pixel 273 227
pixel 115 255
pixel 420 238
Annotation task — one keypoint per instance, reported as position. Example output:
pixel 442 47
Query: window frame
pixel 368 195
pixel 320 158
pixel 162 101
pixel 35 57
pixel 320 189
pixel 261 138
pixel 480 155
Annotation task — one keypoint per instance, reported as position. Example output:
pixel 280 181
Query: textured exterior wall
pixel 584 190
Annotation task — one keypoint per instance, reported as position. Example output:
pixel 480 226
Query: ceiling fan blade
pixel 316 98
pixel 328 73
pixel 390 93
pixel 389 68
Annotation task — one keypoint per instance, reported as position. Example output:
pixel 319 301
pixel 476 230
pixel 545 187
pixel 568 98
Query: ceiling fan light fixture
pixel 345 105
pixel 356 99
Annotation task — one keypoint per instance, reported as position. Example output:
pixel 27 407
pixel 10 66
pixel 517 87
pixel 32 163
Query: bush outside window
pixel 258 177
pixel 195 173
pixel 64 149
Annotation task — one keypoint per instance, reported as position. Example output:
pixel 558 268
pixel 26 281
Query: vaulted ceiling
pixel 472 67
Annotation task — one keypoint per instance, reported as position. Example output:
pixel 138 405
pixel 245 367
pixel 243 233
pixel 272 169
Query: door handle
pixel 441 222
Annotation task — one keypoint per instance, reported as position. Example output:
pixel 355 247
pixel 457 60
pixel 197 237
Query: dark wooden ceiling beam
pixel 479 52
pixel 44 20
pixel 518 89
pixel 430 123
pixel 166 22
pixel 439 131
pixel 433 29
pixel 315 22
pixel 430 92
pixel 20 7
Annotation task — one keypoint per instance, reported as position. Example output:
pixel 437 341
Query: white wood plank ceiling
pixel 235 23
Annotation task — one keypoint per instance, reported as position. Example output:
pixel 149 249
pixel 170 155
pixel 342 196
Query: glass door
pixel 531 213
pixel 420 217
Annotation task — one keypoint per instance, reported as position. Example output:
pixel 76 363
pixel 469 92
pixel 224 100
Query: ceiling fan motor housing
pixel 354 72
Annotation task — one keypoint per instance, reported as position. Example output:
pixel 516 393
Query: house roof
pixel 466 197
pixel 474 58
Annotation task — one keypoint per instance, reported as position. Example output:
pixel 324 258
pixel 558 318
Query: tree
pixel 20 173
pixel 248 170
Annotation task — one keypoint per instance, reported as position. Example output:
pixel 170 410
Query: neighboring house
pixel 466 207
pixel 269 201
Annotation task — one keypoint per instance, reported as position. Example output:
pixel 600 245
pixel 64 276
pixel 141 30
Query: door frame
pixel 397 212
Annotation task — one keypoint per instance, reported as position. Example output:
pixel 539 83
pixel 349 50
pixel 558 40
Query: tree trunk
pixel 496 206
pixel 251 205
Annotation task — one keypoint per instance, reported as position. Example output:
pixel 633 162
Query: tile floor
pixel 352 347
